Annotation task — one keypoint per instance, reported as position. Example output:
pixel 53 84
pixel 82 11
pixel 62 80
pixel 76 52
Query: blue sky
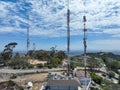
pixel 47 24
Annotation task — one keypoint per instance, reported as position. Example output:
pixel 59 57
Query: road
pixel 29 70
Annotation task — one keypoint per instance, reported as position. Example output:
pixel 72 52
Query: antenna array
pixel 84 39
pixel 68 39
pixel 84 42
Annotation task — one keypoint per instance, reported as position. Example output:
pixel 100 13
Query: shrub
pixel 13 76
pixel 40 65
pixel 111 74
pixel 97 79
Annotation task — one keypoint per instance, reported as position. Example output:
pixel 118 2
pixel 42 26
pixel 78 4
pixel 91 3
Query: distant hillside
pixel 98 59
pixel 105 54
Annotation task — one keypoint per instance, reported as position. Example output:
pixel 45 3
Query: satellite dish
pixel 30 84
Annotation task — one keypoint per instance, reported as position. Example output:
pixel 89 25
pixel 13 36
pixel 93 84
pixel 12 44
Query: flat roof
pixel 70 82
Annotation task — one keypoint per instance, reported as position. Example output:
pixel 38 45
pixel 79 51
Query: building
pixel 62 83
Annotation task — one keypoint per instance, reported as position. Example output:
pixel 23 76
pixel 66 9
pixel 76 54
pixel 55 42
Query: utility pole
pixel 68 39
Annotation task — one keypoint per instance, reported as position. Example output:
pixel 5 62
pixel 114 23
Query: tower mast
pixel 68 39
pixel 84 42
pixel 28 41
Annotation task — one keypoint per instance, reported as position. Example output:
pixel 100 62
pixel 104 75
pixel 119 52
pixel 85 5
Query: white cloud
pixel 48 17
pixel 11 29
pixel 3 11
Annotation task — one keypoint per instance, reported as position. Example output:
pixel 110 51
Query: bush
pixel 97 79
pixel 21 88
pixel 40 65
pixel 50 66
pixel 13 76
pixel 111 74
pixel 10 83
pixel 19 64
pixel 94 88
pixel 30 66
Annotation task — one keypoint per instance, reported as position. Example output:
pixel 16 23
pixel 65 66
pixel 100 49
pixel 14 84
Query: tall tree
pixel 61 55
pixel 41 55
pixel 53 51
pixel 8 50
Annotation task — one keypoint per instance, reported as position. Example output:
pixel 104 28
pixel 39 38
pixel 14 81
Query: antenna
pixel 84 39
pixel 84 42
pixel 68 39
pixel 28 41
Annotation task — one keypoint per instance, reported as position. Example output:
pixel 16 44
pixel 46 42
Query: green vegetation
pixel 111 87
pixel 94 88
pixel 77 60
pixel 111 74
pixel 111 60
pixel 54 58
pixel 19 64
pixel 97 79
pixel 73 65
pixel 7 53
pixel 93 62
pixel 40 65
pixel 111 64
pixel 10 85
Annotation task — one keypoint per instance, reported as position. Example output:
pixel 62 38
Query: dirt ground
pixel 37 79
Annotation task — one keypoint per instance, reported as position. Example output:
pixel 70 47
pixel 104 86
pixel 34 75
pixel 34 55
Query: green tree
pixel 61 55
pixel 105 59
pixel 41 55
pixel 54 62
pixel 53 51
pixel 8 51
pixel 17 56
pixel 40 65
pixel 72 65
pixel 114 65
pixel 19 64
pixel 111 74
pixel 97 79
pixel 30 53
